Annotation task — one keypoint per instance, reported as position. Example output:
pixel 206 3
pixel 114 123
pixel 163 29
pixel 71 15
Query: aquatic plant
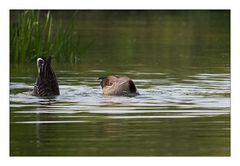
pixel 34 34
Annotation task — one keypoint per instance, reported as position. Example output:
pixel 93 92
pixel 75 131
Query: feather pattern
pixel 46 83
pixel 118 85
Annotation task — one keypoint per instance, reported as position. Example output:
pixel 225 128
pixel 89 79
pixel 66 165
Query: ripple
pixel 195 96
pixel 48 122
pixel 151 117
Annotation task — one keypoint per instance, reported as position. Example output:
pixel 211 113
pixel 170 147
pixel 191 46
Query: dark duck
pixel 46 84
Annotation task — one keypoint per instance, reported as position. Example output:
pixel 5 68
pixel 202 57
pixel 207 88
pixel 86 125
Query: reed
pixel 33 34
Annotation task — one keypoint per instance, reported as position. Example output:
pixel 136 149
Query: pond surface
pixel 184 102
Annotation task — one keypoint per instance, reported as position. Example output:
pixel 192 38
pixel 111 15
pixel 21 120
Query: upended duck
pixel 46 84
pixel 118 85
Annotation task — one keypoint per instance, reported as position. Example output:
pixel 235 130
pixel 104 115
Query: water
pixel 183 107
pixel 172 116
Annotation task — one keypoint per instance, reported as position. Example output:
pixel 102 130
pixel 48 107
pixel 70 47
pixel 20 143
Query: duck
pixel 118 85
pixel 46 83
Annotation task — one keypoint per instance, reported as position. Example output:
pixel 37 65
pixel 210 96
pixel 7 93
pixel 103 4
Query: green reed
pixel 35 34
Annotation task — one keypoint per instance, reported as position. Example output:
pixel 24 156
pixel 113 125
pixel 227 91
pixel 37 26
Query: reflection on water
pixel 170 117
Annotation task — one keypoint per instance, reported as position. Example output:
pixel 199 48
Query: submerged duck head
pixel 118 85
pixel 46 83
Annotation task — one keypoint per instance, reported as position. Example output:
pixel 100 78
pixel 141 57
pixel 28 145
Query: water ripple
pixel 200 95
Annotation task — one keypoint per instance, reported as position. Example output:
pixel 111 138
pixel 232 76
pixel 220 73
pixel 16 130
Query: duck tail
pixel 132 87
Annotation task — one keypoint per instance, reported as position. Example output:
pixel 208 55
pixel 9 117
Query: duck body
pixel 118 85
pixel 46 84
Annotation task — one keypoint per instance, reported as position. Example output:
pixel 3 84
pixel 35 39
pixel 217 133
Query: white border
pixel 121 4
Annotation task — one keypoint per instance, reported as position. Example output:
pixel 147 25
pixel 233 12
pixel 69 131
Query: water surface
pixel 172 116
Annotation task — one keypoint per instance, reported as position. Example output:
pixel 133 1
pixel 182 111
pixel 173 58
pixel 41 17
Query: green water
pixel 180 63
